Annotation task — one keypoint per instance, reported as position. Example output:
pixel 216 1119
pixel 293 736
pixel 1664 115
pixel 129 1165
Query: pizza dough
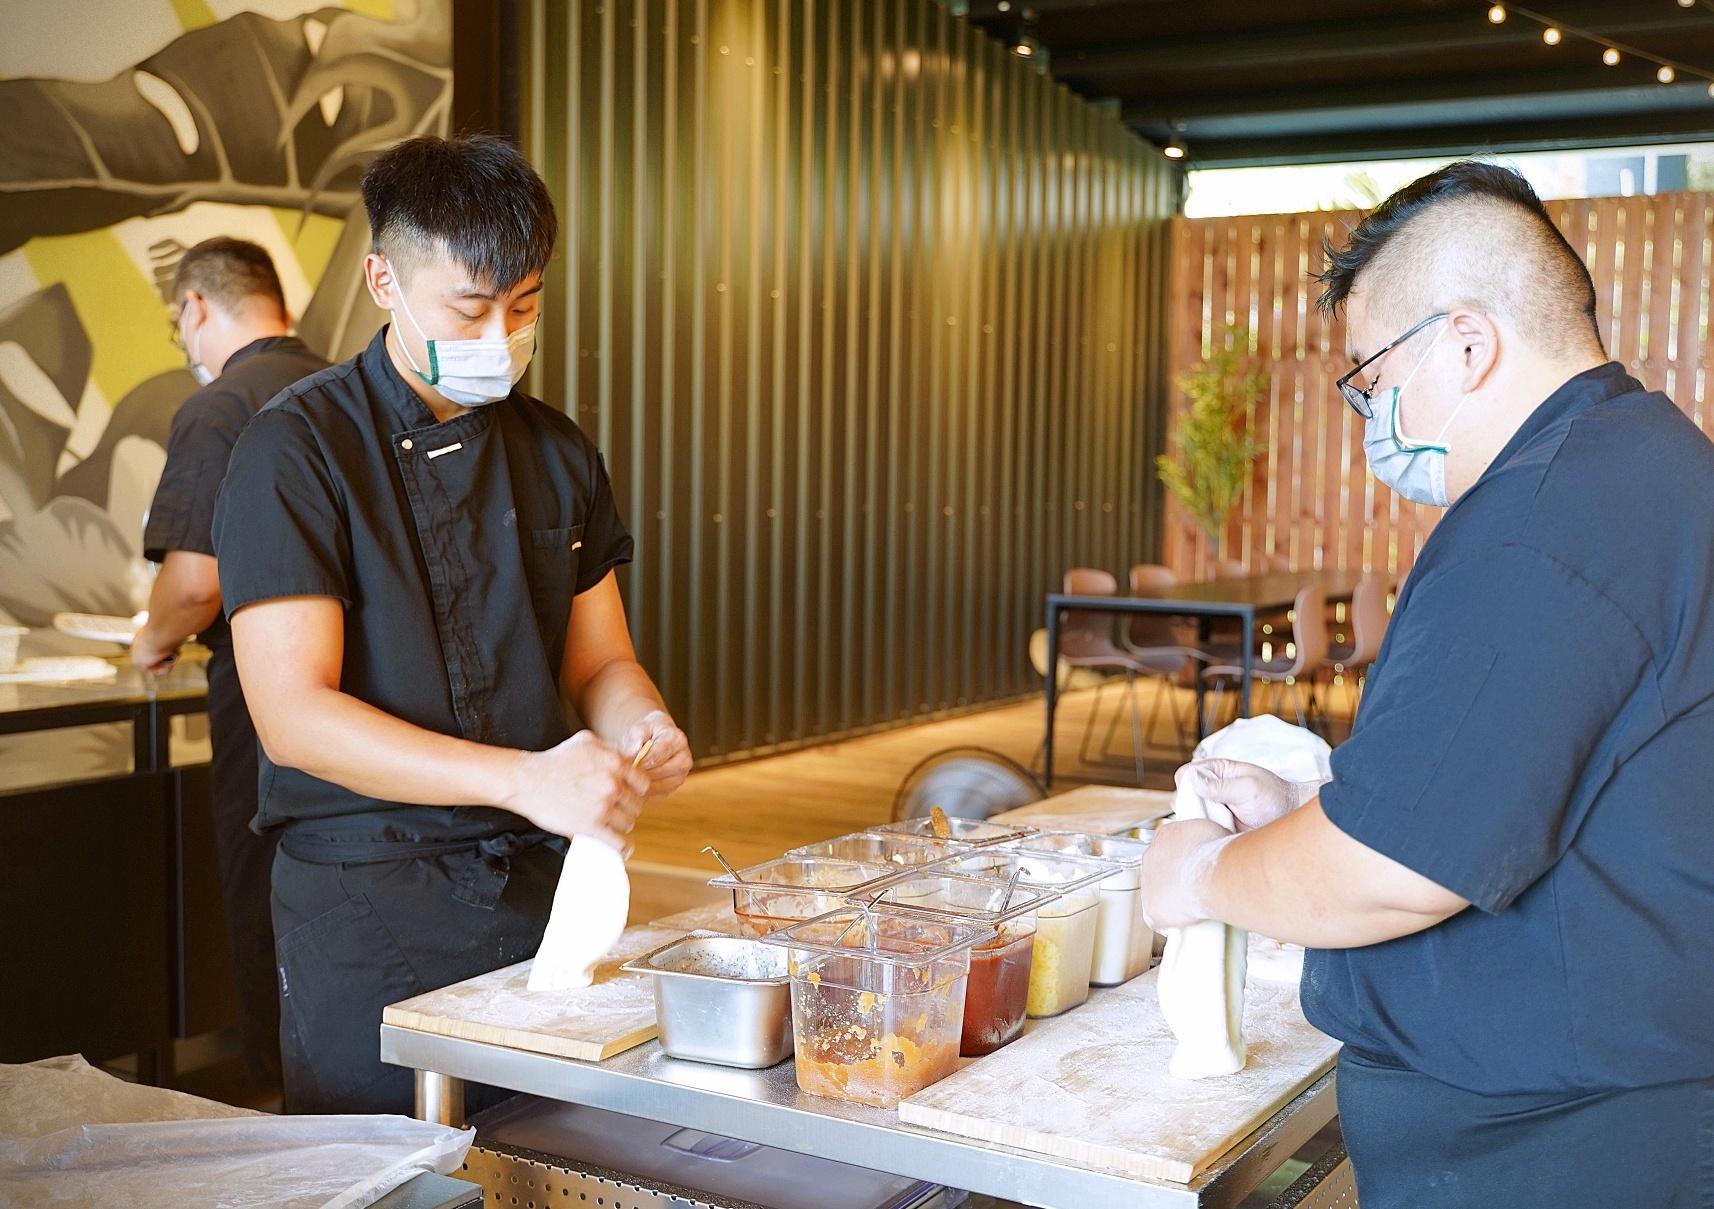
pixel 589 910
pixel 1202 972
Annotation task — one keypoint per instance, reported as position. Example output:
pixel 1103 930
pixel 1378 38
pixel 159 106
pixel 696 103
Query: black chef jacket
pixel 456 548
pixel 1538 738
pixel 203 433
pixel 182 518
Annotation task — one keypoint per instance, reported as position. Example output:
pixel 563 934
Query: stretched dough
pixel 1201 985
pixel 1202 971
pixel 589 909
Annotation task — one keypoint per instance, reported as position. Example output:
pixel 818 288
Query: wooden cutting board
pixel 614 1014
pixel 1092 1085
pixel 1097 809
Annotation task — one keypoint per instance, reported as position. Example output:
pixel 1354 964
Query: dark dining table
pixel 1244 599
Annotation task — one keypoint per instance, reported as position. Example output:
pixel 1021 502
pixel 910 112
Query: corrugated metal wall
pixel 868 318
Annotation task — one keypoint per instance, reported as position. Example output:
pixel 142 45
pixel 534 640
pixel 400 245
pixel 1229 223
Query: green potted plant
pixel 1213 446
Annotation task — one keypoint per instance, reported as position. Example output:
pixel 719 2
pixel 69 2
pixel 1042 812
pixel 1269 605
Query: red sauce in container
pixel 998 993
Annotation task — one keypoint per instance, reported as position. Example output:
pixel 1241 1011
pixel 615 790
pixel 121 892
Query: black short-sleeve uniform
pixel 182 518
pixel 456 548
pixel 1538 738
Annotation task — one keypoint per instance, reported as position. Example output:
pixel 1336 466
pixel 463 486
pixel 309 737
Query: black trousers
pixel 246 868
pixel 1416 1143
pixel 358 935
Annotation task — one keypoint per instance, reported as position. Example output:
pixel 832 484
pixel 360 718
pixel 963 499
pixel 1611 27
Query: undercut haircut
pixel 1469 234
pixel 475 198
pixel 229 273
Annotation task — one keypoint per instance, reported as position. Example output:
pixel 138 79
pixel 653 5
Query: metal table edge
pixel 901 1149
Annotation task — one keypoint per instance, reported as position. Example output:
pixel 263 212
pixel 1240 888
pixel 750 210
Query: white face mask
pixel 471 372
pixel 1414 469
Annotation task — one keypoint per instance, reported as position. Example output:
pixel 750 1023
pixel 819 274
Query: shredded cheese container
pixel 877 1001
pixel 1064 953
pixel 780 892
pixel 1124 943
pixel 997 999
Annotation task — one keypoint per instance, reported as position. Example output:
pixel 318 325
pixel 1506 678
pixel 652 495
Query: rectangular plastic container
pixel 1064 951
pixel 998 994
pixel 779 892
pixel 1124 944
pixel 721 999
pixel 968 833
pixel 897 851
pixel 877 1001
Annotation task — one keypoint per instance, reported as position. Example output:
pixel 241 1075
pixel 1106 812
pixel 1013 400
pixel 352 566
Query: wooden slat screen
pixel 1312 498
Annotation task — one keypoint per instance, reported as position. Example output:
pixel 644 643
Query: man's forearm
pixel 616 696
pixel 334 736
pixel 174 622
pixel 1303 880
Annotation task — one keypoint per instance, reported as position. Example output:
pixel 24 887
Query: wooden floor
pixel 755 810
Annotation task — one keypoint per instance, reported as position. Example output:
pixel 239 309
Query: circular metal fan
pixel 967 783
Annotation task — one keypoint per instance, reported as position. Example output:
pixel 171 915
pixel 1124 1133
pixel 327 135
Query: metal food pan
pixel 721 999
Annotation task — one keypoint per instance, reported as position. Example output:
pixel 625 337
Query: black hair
pixel 477 196
pixel 1462 180
pixel 228 272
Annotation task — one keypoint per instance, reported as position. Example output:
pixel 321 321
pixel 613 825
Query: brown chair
pixel 1164 642
pixel 1369 618
pixel 1277 564
pixel 1228 568
pixel 1086 641
pixel 1309 649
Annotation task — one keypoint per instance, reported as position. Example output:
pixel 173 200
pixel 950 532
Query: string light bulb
pixel 1497 14
pixel 1026 47
pixel 1610 57
pixel 1665 75
pixel 1686 3
pixel 1174 150
pixel 1551 36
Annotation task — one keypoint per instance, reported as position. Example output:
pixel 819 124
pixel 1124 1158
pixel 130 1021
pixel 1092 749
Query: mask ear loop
pixel 433 376
pixel 1404 443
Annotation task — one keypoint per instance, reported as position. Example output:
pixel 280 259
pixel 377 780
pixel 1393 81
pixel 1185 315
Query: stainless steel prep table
pixel 767 1107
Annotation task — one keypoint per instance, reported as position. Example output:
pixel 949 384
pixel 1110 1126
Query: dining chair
pixel 1296 670
pixel 1165 643
pixel 1368 620
pixel 1227 568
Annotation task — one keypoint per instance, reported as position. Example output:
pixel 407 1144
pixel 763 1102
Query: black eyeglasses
pixel 177 335
pixel 1357 396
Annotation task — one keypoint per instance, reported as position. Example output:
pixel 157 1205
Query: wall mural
pixel 134 129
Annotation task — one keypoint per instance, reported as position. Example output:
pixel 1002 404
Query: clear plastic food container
pixel 968 833
pixel 779 892
pixel 994 1005
pixel 877 1001
pixel 1064 951
pixel 897 850
pixel 1124 944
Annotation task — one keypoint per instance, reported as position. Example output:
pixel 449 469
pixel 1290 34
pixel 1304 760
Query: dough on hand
pixel 1201 985
pixel 1202 972
pixel 589 910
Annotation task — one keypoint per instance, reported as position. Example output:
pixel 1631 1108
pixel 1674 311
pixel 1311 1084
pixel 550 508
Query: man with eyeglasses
pixel 1507 888
pixel 230 322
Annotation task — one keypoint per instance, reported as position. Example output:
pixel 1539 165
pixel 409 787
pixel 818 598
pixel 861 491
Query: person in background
pixel 230 321
pixel 1507 888
pixel 418 563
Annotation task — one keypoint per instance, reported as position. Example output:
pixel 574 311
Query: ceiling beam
pixel 1631 130
pixel 1363 42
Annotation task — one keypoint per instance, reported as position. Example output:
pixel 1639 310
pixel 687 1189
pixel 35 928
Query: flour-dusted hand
pixel 1255 796
pixel 1176 870
pixel 581 787
pixel 668 761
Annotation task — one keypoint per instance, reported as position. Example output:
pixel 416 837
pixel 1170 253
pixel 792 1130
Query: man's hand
pixel 581 787
pixel 1177 870
pixel 1255 796
pixel 668 762
pixel 151 654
